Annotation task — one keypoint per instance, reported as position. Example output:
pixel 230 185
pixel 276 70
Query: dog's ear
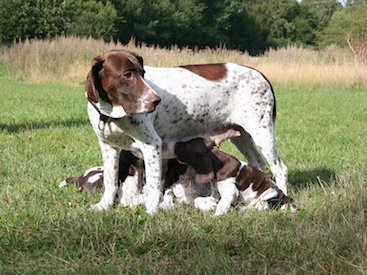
pixel 204 178
pixel 230 165
pixel 90 85
pixel 93 84
pixel 140 59
pixel 208 167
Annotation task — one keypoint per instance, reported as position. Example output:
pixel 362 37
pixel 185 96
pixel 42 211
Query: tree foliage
pixel 348 25
pixel 247 25
pixel 94 19
pixel 21 19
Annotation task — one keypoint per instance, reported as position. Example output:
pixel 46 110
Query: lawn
pixel 45 136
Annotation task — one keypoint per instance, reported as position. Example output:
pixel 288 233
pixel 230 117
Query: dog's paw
pixel 98 207
pixel 167 202
pixel 206 203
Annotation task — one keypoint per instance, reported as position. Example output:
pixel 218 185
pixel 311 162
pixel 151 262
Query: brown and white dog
pixel 235 181
pixel 146 110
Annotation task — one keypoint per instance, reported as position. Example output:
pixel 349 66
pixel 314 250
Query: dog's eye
pixel 127 75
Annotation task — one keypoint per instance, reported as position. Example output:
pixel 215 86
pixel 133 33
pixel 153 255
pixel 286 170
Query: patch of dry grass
pixel 68 59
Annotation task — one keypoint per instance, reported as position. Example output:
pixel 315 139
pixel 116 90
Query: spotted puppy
pixel 179 183
pixel 88 181
pixel 93 178
pixel 235 181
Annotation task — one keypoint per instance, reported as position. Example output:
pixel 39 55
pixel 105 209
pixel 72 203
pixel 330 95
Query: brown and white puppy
pixel 235 181
pixel 88 181
pixel 93 178
pixel 179 183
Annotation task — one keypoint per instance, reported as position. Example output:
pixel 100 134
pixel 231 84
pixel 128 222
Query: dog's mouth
pixel 146 110
pixel 153 109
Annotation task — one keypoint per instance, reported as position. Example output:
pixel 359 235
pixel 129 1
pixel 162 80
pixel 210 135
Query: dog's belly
pixel 192 107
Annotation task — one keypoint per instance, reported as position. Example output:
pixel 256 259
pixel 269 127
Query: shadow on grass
pixel 23 127
pixel 304 178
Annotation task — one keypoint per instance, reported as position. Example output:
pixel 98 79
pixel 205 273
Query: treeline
pixel 247 25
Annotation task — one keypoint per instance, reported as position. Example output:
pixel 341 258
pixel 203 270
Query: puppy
pixel 93 177
pixel 235 181
pixel 178 184
pixel 88 181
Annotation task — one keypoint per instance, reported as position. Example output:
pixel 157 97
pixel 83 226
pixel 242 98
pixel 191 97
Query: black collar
pixel 102 117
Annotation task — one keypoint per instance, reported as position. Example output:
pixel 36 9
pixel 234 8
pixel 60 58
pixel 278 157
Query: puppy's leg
pixel 206 203
pixel 167 202
pixel 229 192
pixel 261 202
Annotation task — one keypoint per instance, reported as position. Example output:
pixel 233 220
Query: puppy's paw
pixel 206 203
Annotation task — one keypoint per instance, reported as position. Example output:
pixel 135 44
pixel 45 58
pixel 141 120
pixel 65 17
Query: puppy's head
pixel 198 154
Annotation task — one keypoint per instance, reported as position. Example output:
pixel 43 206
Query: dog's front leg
pixel 111 157
pixel 152 153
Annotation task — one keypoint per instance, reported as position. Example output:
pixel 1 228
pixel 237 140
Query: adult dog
pixel 146 110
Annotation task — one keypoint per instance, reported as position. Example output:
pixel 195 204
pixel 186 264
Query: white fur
pixel 191 107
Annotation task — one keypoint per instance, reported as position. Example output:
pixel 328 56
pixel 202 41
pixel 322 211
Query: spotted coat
pixel 149 109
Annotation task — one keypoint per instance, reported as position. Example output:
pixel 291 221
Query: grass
pixel 45 137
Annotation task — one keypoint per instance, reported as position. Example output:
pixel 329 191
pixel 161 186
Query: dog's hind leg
pixel 246 146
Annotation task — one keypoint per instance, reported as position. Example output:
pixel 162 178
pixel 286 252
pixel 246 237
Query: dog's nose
pixel 155 99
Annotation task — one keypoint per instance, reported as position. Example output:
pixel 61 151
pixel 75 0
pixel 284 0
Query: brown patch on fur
pixel 213 72
pixel 250 174
pixel 230 165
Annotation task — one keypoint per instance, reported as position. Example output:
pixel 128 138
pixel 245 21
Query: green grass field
pixel 45 137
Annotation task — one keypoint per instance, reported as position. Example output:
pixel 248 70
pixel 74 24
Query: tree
pixel 94 19
pixel 320 13
pixel 245 33
pixel 158 22
pixel 349 24
pixel 288 21
pixel 20 19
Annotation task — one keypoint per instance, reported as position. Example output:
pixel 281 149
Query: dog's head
pixel 116 80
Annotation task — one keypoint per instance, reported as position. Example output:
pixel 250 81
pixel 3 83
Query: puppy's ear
pixel 230 165
pixel 127 165
pixel 204 178
pixel 208 167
